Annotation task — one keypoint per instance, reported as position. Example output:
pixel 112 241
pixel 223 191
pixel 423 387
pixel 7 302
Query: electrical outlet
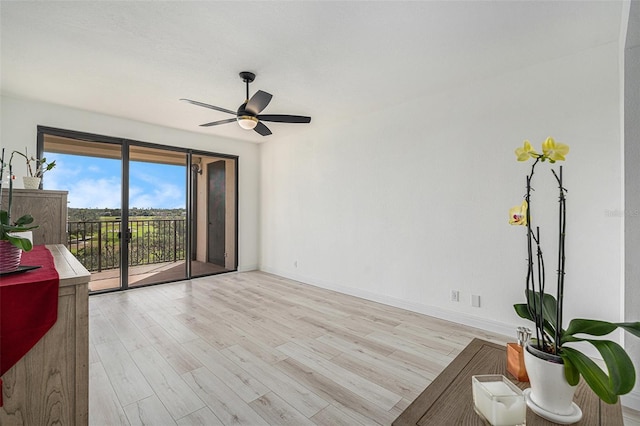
pixel 475 301
pixel 455 296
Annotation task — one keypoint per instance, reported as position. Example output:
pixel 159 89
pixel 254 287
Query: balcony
pixel 156 247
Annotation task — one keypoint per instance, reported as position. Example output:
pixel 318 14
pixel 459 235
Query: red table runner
pixel 28 307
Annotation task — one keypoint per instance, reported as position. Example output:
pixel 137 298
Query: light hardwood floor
pixel 255 349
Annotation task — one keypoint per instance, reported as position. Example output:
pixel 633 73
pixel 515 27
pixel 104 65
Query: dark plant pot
pixel 532 348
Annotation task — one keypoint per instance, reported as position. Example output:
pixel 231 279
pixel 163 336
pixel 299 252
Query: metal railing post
pixel 100 247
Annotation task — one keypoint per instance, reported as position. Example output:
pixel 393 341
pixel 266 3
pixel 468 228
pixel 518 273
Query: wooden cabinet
pixel 50 384
pixel 48 208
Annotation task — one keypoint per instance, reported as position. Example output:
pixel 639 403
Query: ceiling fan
pixel 248 114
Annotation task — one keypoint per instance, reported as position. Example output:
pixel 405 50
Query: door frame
pixel 190 211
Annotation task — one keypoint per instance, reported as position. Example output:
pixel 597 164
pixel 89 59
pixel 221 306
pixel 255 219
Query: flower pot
pixel 9 257
pixel 30 182
pixel 551 396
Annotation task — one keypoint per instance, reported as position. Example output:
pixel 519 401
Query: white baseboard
pixel 247 268
pixel 631 400
pixel 434 311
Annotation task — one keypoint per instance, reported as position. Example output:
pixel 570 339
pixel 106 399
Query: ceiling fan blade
pixel 283 118
pixel 228 111
pixel 215 123
pixel 258 102
pixel 262 129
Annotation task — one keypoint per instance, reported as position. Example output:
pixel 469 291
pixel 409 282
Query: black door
pixel 216 212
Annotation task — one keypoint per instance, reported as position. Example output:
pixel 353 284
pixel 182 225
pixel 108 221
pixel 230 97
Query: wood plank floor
pixel 255 349
pixel 151 274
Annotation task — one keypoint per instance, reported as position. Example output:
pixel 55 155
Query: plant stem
pixel 531 279
pixel 545 341
pixel 541 284
pixel 10 193
pixel 1 175
pixel 562 223
pixel 539 312
pixel 10 188
pixel 29 170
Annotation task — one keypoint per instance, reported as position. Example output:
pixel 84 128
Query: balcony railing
pixel 96 244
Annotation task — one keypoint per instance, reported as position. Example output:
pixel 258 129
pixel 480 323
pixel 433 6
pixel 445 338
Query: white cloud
pixel 88 189
pixel 95 193
pixel 161 194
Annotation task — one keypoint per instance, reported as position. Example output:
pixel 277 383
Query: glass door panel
pixel 91 173
pixel 157 219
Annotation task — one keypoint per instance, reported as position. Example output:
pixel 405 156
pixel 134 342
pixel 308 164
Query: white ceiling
pixel 330 60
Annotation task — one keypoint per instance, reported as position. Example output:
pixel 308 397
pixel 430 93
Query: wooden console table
pixel 448 399
pixel 50 384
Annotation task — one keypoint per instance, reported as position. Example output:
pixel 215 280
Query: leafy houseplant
pixel 36 167
pixel 545 310
pixel 23 223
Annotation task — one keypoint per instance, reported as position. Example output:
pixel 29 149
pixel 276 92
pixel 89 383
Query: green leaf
pixel 550 309
pixel 15 228
pixel 597 379
pixel 571 373
pixel 23 243
pixel 549 306
pixel 24 220
pixel 591 327
pixel 567 338
pixel 631 327
pixel 622 375
pixel 4 217
pixel 523 311
pixel 599 328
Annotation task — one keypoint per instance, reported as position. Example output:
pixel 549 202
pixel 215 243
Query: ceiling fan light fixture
pixel 247 122
pixel 249 115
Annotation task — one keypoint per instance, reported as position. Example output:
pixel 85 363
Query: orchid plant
pixel 545 310
pixel 36 167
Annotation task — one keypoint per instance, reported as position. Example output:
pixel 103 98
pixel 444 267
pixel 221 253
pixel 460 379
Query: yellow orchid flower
pixel 524 152
pixel 554 151
pixel 518 214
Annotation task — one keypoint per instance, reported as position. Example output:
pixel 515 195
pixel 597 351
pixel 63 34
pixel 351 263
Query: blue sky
pixel 95 182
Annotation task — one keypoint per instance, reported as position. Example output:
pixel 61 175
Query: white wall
pixel 405 204
pixel 20 118
pixel 631 125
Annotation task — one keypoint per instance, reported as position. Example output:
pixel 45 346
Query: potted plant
pixel 552 347
pixel 36 169
pixel 11 244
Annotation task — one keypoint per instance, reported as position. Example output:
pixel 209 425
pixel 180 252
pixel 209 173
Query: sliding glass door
pixel 142 214
pixel 157 215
